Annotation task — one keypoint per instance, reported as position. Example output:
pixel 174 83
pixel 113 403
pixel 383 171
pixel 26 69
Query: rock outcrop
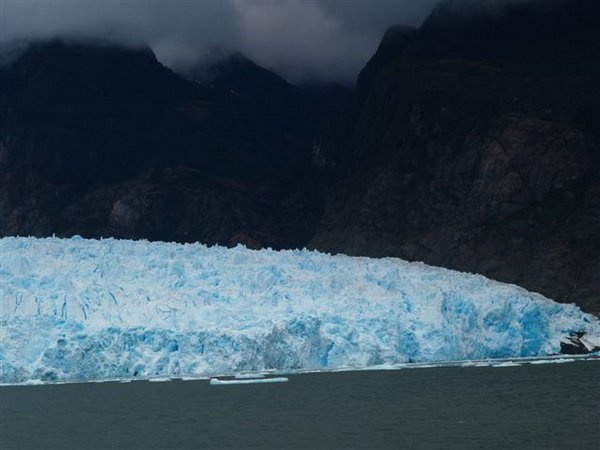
pixel 98 140
pixel 468 156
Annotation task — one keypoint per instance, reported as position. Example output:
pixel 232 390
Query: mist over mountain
pixel 470 141
pixel 301 39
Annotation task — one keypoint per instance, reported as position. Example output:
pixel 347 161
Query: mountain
pixel 100 140
pixel 475 145
pixel 470 143
pixel 240 74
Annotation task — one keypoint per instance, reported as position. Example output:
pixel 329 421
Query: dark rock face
pixel 105 141
pixel 479 161
pixel 576 344
pixel 395 41
pixel 173 204
pixel 87 113
pixel 83 113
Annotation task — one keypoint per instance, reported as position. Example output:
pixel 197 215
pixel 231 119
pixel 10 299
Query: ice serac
pixel 77 309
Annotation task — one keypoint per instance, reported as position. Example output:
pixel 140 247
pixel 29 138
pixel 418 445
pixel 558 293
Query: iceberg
pixel 217 382
pixel 79 309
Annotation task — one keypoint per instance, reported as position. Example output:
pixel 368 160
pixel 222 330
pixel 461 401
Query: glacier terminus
pixel 78 309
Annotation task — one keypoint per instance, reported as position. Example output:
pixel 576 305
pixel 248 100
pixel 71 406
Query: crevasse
pixel 78 309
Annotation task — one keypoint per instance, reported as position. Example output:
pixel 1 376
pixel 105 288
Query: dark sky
pixel 301 39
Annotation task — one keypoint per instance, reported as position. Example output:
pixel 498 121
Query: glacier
pixel 80 309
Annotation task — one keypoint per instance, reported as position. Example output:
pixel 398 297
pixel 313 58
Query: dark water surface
pixel 553 406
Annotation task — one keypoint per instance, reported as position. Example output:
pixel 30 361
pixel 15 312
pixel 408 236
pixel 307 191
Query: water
pixel 553 406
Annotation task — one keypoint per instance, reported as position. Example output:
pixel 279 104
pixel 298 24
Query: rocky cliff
pixel 99 140
pixel 475 146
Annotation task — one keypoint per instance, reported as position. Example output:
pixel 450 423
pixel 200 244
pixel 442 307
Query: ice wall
pixel 77 309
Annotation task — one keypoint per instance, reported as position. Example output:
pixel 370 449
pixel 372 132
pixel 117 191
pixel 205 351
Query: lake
pixel 543 406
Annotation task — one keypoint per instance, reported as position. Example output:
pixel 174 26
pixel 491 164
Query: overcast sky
pixel 300 39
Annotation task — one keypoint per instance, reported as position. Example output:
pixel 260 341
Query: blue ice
pixel 79 309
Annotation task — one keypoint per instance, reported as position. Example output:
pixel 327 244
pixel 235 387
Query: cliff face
pixel 471 156
pixel 105 141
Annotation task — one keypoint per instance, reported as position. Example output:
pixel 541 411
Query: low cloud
pixel 301 39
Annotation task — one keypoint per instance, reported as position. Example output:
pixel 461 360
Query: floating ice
pixel 507 364
pixel 82 309
pixel 217 382
pixel 243 376
pixel 553 361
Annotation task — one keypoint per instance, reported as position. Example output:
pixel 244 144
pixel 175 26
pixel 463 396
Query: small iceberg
pixel 245 376
pixel 217 382
pixel 553 361
pixel 159 380
pixel 507 364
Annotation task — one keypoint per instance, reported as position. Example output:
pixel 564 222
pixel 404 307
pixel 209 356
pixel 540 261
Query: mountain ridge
pixel 479 155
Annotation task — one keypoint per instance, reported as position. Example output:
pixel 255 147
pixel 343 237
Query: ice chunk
pixel 242 376
pixel 507 364
pixel 79 309
pixel 216 381
pixel 590 342
pixel 553 361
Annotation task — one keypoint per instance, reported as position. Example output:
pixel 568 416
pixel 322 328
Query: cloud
pixel 302 39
